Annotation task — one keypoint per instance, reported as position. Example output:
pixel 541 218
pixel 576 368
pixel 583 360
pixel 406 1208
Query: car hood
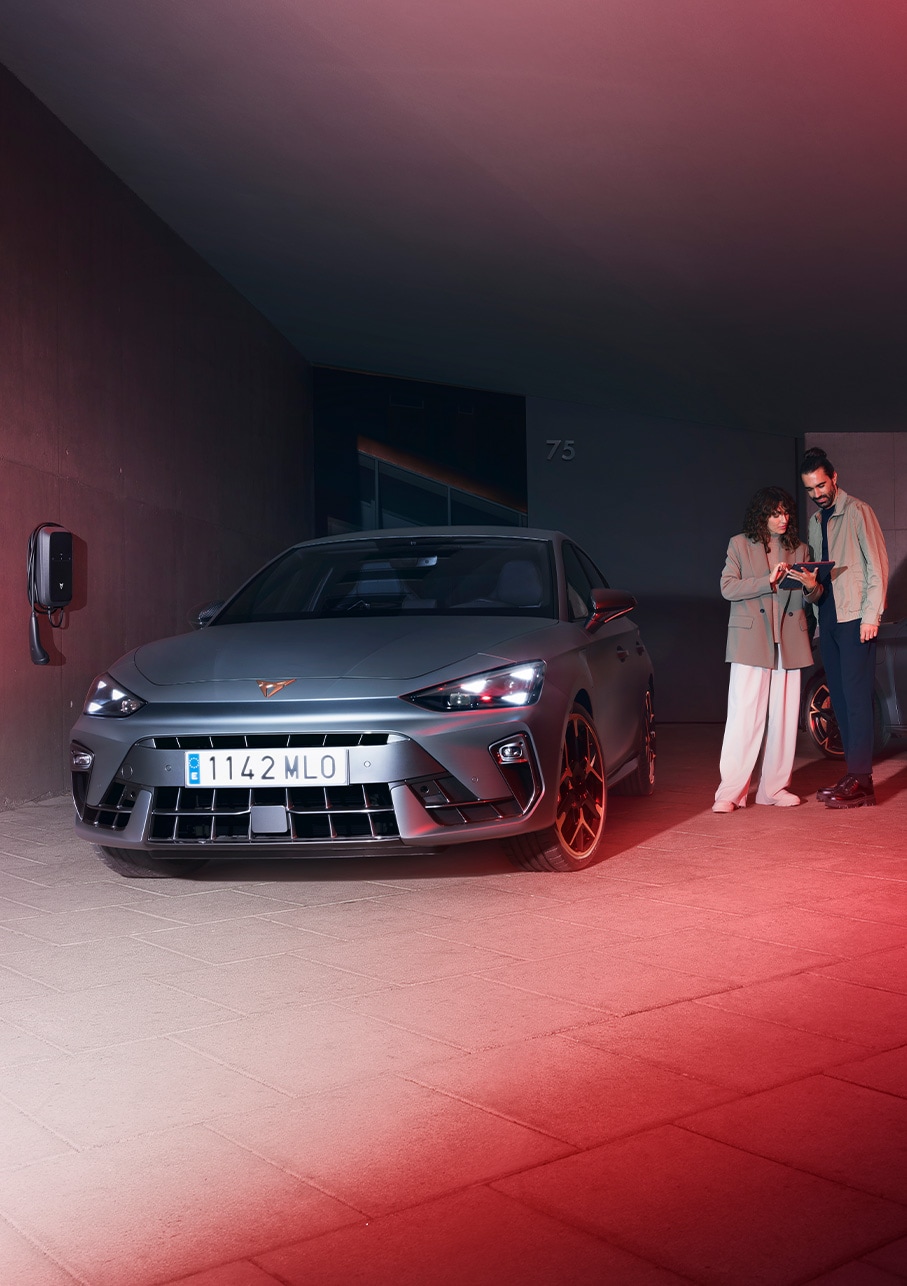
pixel 378 648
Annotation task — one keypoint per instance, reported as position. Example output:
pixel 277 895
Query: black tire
pixel 574 841
pixel 822 726
pixel 141 866
pixel 641 781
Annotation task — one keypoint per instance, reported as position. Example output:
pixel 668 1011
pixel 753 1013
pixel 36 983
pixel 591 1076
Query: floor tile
pixel 270 982
pixel 867 1148
pixel 886 1072
pixel 94 964
pixel 857 1273
pixel 725 957
pixel 372 917
pixel 234 939
pixel 884 969
pixel 709 1211
pixel 838 934
pixel 571 1091
pixel 405 957
pixel 814 1003
pixel 304 1051
pixel 19 1047
pixel 239 1273
pixel 148 1210
pixel 477 1237
pixel 399 1146
pixel 25 1140
pixel 25 1264
pixel 603 980
pixel 113 1014
pixel 470 1013
pixel 719 1046
pixel 67 928
pixel 892 1257
pixel 113 1094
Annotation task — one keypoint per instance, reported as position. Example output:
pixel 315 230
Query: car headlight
pixel 109 699
pixel 514 685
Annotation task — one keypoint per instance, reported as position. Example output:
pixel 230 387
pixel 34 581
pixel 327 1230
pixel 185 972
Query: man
pixel 849 600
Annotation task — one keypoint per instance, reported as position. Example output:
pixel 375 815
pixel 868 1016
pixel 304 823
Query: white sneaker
pixel 724 806
pixel 784 799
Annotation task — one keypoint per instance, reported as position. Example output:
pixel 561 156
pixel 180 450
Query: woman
pixel 768 645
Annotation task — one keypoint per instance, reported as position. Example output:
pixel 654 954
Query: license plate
pixel 267 768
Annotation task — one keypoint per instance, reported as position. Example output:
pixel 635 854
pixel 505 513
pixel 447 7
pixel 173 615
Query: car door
pixel 613 659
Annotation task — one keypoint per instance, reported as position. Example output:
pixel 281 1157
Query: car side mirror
pixel 199 617
pixel 608 605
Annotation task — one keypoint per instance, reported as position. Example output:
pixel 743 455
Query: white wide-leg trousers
pixel 762 705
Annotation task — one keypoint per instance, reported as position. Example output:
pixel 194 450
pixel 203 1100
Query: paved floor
pixel 688 1064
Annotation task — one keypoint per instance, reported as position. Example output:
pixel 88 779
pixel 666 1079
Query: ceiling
pixel 688 207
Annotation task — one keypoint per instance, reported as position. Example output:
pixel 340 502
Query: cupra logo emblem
pixel 269 688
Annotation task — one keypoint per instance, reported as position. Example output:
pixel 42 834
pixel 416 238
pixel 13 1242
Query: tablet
pixel 788 582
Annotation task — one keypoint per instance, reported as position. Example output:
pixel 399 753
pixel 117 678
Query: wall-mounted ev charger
pixel 49 581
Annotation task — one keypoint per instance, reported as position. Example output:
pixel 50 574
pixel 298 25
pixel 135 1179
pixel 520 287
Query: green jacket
pixel 859 578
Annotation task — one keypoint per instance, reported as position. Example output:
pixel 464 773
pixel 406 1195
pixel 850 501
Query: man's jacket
pixel 859 578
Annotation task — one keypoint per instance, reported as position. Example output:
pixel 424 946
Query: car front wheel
pixel 140 866
pixel 574 841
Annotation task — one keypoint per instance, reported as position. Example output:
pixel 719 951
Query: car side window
pixel 593 572
pixel 579 585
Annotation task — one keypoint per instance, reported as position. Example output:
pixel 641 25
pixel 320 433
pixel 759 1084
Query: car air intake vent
pixel 115 808
pixel 270 740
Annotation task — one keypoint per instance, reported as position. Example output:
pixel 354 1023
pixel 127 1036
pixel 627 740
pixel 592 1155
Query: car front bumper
pixel 416 779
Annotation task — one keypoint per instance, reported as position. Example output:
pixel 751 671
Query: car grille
pixel 315 814
pixel 267 741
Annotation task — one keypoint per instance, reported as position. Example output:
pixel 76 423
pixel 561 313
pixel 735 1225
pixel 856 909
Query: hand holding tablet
pixel 790 582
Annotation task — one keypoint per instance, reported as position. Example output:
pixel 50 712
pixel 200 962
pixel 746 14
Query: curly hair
pixel 767 501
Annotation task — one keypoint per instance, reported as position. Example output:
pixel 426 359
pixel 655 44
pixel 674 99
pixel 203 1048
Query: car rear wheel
pixel 822 726
pixel 641 781
pixel 819 719
pixel 574 841
pixel 140 866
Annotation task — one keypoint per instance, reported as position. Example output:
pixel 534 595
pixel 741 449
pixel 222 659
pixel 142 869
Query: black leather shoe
pixel 852 792
pixel 825 794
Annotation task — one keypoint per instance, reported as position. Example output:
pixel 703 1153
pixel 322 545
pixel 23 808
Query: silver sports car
pixel 371 693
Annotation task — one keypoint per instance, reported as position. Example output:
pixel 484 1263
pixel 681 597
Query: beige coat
pixel 759 618
pixel 859 579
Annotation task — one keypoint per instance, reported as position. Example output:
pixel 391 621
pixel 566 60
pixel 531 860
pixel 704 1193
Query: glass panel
pixel 431 575
pixel 408 500
pixel 474 511
pixel 579 588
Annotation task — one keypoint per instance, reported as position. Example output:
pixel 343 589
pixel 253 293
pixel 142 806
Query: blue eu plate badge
pixel 194 769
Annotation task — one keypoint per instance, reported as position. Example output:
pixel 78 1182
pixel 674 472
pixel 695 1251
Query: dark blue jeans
pixel 850 670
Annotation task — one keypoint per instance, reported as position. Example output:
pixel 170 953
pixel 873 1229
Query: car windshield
pixel 418 576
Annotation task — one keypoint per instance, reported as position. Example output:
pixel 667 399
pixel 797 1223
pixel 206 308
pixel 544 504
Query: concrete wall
pixel 873 466
pixel 655 502
pixel 145 406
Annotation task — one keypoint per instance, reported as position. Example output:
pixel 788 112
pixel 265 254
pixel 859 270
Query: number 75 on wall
pixel 561 448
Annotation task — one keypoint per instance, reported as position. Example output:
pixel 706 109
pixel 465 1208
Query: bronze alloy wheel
pixel 820 720
pixel 581 791
pixel 574 841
